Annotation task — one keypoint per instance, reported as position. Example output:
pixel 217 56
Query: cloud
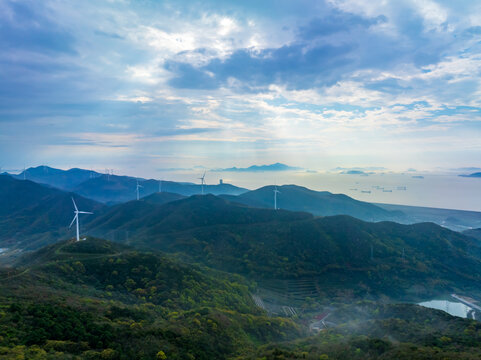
pixel 209 82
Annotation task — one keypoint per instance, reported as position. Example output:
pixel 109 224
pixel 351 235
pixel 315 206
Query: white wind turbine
pixel 138 189
pixel 160 186
pixel 202 179
pixel 75 218
pixel 275 196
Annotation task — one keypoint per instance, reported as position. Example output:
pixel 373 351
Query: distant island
pixel 260 168
pixel 473 175
pixel 417 177
pixel 355 172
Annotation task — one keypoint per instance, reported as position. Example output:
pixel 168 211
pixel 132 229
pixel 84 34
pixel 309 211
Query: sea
pixel 446 191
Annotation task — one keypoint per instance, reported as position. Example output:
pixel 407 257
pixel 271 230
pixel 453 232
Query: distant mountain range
pixel 473 175
pixel 62 179
pixel 261 168
pixel 322 203
pixel 113 189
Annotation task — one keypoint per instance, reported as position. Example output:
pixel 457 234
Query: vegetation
pixel 370 330
pixel 321 203
pixel 98 300
pixel 32 215
pixel 339 252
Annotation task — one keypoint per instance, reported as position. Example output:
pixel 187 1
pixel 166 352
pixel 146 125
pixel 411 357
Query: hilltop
pixel 323 203
pixel 32 215
pixel 98 300
pixel 266 244
pixel 62 179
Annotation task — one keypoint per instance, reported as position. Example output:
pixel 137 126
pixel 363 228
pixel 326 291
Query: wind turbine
pixel 202 182
pixel 24 173
pixel 75 218
pixel 137 189
pixel 275 196
pixel 160 186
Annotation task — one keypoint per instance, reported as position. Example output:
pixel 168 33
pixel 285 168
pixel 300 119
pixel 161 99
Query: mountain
pixel 475 233
pixel 262 168
pixel 117 189
pixel 330 253
pixel 113 189
pixel 98 300
pixel 148 219
pixel 32 214
pixel 324 203
pixel 62 179
pixel 473 175
pixel 161 198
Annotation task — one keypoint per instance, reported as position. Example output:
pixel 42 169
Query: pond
pixel 451 307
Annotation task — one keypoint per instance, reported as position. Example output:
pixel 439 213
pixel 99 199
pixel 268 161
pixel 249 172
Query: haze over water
pixel 438 191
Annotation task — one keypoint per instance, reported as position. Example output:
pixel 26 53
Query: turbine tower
pixel 138 189
pixel 75 218
pixel 202 179
pixel 160 186
pixel 275 196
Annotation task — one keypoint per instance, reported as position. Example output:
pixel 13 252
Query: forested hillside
pixel 97 300
pixel 337 252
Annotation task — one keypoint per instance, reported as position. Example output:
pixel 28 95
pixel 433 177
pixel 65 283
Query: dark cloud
pixel 326 50
pixel 293 65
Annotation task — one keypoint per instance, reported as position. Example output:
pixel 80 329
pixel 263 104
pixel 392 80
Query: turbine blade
pixel 75 217
pixel 74 204
pixel 85 212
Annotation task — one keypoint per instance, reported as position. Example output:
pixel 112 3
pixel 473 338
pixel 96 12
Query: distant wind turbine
pixel 75 218
pixel 160 186
pixel 24 173
pixel 137 189
pixel 202 179
pixel 275 196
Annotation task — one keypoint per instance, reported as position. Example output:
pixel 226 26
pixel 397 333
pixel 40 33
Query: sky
pixel 143 86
